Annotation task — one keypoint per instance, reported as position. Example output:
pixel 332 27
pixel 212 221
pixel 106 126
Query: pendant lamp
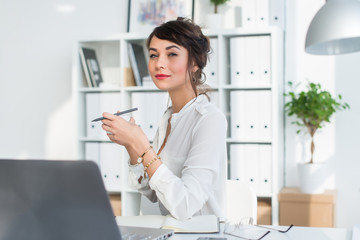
pixel 335 29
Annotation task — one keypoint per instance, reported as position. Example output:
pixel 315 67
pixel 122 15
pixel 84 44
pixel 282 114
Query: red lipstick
pixel 162 76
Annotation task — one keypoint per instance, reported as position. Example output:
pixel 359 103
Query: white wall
pixel 37 110
pixel 36 47
pixel 338 142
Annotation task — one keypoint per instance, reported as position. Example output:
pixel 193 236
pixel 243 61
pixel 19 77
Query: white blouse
pixel 191 180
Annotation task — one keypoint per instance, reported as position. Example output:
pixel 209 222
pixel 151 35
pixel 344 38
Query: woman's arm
pixel 131 136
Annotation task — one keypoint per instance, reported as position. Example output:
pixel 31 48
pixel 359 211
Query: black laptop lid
pixel 54 200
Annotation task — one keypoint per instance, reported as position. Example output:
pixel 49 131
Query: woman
pixel 185 169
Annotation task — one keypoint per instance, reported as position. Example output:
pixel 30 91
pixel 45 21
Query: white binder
pixel 238 111
pixel 93 129
pixel 264 169
pixel 152 106
pixel 277 13
pixel 251 115
pixel 151 114
pixel 264 58
pixel 251 63
pixel 92 152
pixel 155 103
pixel 251 165
pixel 138 100
pixel 237 161
pixel 125 170
pixel 96 104
pixel 262 12
pixel 248 13
pixel 264 115
pixel 214 98
pixel 211 69
pixel 237 60
pixel 111 165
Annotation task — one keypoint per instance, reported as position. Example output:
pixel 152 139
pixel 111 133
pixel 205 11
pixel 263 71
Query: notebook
pixel 197 224
pixel 57 200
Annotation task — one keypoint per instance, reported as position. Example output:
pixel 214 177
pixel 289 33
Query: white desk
pixel 295 233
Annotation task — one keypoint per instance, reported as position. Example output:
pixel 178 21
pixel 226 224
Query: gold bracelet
pixel 141 158
pixel 148 164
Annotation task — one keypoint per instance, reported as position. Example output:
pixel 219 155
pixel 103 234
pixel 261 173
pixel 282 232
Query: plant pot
pixel 312 177
pixel 214 21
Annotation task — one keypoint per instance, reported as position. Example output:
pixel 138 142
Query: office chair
pixel 241 201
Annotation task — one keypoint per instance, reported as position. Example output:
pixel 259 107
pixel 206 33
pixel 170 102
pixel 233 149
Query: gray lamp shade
pixel 335 28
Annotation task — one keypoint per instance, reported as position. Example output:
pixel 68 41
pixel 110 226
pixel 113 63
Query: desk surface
pixel 294 233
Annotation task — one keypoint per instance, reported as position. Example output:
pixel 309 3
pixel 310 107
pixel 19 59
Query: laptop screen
pixel 42 200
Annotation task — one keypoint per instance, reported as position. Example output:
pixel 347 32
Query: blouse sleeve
pixel 135 172
pixel 185 196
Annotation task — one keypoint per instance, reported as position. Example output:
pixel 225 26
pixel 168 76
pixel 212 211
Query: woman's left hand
pixel 125 133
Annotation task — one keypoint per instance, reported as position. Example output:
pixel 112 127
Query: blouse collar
pixel 195 102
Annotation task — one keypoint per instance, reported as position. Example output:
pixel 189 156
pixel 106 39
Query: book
pixel 138 62
pixel 197 224
pixel 129 79
pixel 91 67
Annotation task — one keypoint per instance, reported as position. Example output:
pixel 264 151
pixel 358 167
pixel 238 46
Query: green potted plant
pixel 215 20
pixel 312 108
pixel 217 3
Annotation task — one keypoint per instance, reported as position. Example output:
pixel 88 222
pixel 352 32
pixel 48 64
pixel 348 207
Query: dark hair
pixel 187 34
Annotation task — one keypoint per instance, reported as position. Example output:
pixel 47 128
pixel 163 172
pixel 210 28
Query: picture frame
pixel 145 15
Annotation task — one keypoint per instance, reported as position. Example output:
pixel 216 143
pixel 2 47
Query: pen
pixel 117 114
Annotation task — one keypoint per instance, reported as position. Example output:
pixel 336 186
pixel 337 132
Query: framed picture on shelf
pixel 144 15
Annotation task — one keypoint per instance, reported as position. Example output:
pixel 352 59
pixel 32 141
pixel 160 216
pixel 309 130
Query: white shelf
pixel 141 89
pixel 248 87
pixel 249 141
pixel 89 139
pixel 113 58
pixel 89 90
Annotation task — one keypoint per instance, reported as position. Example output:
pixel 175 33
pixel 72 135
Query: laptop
pixel 57 200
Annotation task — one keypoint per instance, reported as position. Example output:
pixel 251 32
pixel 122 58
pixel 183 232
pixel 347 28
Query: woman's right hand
pixel 125 133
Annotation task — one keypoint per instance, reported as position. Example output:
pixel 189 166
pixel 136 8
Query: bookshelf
pixel 228 87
